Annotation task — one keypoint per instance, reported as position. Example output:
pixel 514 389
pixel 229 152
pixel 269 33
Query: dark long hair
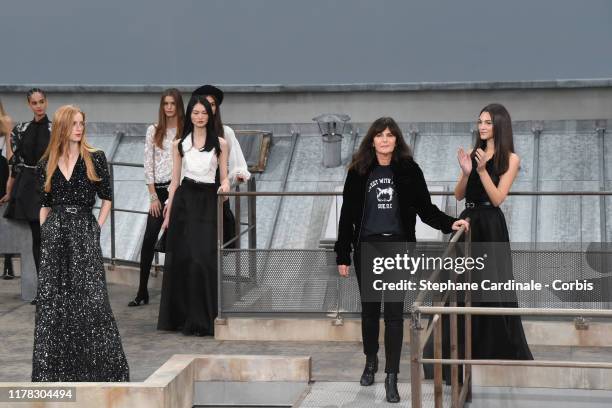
pixel 502 137
pixel 217 118
pixel 212 140
pixel 162 121
pixel 365 158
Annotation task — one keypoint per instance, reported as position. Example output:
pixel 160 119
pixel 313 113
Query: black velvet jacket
pixel 414 199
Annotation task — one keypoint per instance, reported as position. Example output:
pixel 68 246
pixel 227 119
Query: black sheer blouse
pixel 79 190
pixel 29 141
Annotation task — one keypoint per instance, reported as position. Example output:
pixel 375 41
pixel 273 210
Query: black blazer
pixel 413 197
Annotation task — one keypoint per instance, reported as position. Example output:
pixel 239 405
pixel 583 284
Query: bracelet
pixel 153 197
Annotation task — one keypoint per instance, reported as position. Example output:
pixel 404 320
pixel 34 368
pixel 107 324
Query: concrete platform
pixel 335 365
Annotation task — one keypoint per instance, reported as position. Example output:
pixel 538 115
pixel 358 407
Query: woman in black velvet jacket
pixel 383 192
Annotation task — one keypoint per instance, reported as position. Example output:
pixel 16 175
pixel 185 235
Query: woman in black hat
pixel 237 167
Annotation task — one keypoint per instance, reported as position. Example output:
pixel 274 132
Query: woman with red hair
pixel 75 336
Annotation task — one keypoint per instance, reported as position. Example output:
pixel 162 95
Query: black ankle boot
pixel 391 388
pixel 140 299
pixel 8 269
pixel 371 367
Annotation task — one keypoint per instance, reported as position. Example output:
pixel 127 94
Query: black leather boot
pixel 391 388
pixel 371 367
pixel 140 299
pixel 8 268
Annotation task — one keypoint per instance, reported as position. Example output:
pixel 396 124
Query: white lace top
pixel 197 165
pixel 158 162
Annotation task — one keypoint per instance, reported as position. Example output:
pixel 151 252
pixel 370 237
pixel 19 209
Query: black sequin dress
pixel 75 336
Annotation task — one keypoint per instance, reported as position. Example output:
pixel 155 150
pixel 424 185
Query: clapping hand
pixel 465 162
pixel 481 160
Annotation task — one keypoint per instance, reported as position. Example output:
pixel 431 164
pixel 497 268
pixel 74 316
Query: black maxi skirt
pixel 75 334
pixel 189 288
pixel 498 337
pixel 493 337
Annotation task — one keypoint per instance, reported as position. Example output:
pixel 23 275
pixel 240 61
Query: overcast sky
pixel 302 41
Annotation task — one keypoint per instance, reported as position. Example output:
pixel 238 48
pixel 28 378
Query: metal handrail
pixel 433 193
pixel 113 259
pixel 460 395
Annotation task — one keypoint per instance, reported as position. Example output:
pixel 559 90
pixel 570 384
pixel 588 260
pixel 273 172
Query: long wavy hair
pixel 212 140
pixel 365 158
pixel 60 140
pixel 162 121
pixel 502 137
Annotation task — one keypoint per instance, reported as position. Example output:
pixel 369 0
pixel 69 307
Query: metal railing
pixel 460 393
pixel 113 260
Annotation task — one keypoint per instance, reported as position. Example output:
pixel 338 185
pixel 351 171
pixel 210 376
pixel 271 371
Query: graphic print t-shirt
pixel 381 212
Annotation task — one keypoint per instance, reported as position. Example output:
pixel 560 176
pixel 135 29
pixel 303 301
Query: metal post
pixel 252 221
pixel 112 216
pixel 600 128
pixel 536 129
pixel 415 356
pixel 467 379
pixel 414 134
pixel 454 347
pixel 237 216
pixel 438 390
pixel 219 318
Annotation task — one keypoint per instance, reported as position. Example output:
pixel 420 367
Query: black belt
pixel 481 204
pixel 197 183
pixel 72 209
pixel 161 185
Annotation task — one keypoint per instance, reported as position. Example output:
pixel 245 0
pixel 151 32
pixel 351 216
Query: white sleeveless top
pixel 197 165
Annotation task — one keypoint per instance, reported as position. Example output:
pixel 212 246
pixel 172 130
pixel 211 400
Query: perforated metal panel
pixel 351 394
pixel 307 281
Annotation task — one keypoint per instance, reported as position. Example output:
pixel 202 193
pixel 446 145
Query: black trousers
pixel 148 243
pixel 370 318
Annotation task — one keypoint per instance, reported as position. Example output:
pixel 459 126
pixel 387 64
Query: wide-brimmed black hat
pixel 210 90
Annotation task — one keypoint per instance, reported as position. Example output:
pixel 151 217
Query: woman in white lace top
pixel 158 172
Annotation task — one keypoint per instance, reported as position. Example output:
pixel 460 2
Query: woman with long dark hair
pixel 158 172
pixel 487 173
pixel 383 163
pixel 29 140
pixel 75 335
pixel 237 167
pixel 189 287
pixel 6 125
